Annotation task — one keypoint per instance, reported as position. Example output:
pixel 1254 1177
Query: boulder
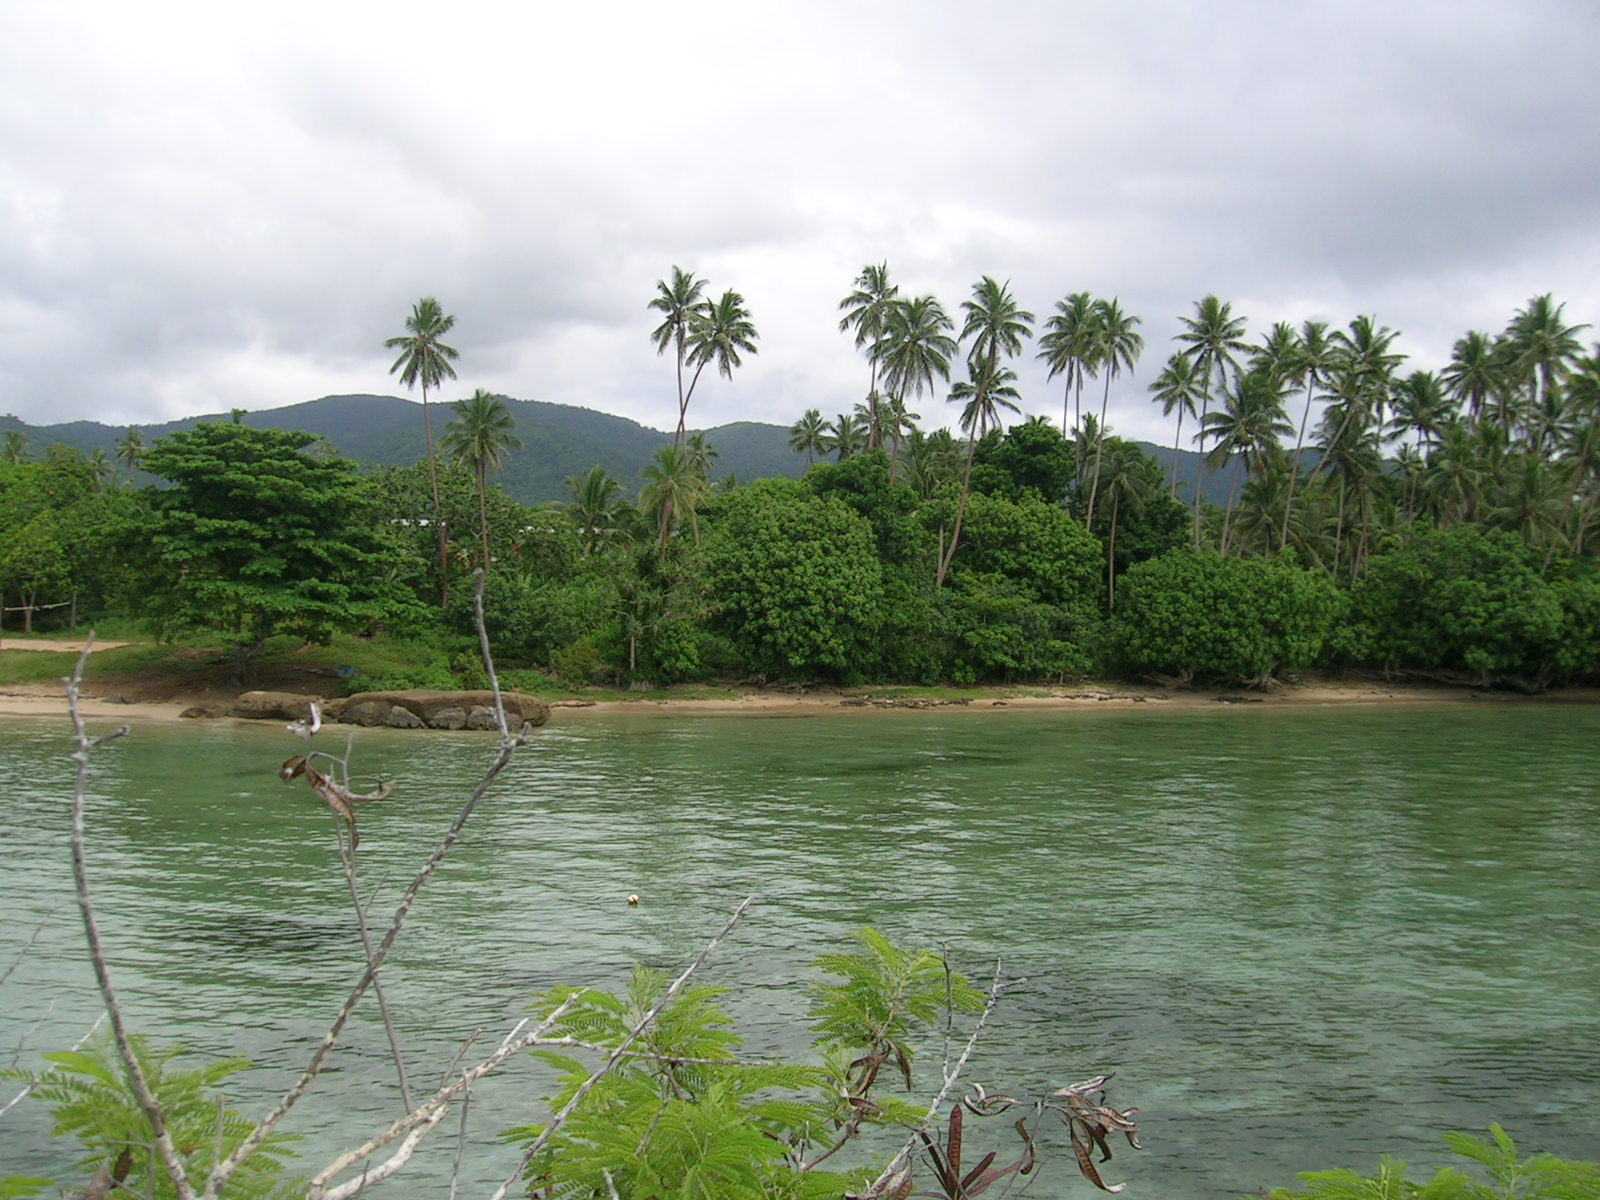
pixel 368 713
pixel 481 718
pixel 402 718
pixel 273 706
pixel 426 705
pixel 205 711
pixel 448 718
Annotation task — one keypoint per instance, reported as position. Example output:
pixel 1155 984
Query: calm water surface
pixel 1300 938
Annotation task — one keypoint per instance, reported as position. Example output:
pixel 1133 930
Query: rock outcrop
pixel 421 709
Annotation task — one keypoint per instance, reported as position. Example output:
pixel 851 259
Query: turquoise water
pixel 1301 938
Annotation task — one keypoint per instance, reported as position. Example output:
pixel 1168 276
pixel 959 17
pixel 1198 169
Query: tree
pixel 1316 356
pixel 866 310
pixel 1177 388
pixel 1250 423
pixel 917 348
pixel 596 501
pixel 718 333
pixel 1067 345
pixel 678 299
pixel 131 450
pixel 1115 346
pixel 1541 348
pixel 479 438
pixel 256 536
pixel 14 447
pixel 797 580
pixel 1212 337
pixel 809 435
pixel 673 486
pixel 424 359
pixel 845 436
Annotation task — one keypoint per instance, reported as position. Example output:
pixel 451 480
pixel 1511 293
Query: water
pixel 1301 938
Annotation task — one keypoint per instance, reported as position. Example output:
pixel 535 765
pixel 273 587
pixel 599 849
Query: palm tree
pixel 425 359
pixel 1120 468
pixel 987 389
pixel 1178 389
pixel 14 447
pixel 876 415
pixel 1316 355
pixel 1068 347
pixel 844 435
pixel 718 332
pixel 479 439
pixel 596 501
pixel 916 349
pixel 1250 423
pixel 866 309
pixel 1212 337
pixel 100 469
pixel 130 450
pixel 808 435
pixel 996 324
pixel 678 299
pixel 1116 346
pixel 1474 375
pixel 1542 350
pixel 671 487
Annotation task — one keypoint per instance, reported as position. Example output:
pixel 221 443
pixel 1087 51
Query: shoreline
pixel 49 700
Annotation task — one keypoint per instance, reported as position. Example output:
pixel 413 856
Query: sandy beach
pixel 125 702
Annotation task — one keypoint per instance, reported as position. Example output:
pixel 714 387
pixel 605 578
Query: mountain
pixel 559 441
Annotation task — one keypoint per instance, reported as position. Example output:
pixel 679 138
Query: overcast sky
pixel 209 206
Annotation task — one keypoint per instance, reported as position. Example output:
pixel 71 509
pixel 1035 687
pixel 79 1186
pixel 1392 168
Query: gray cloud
pixel 236 208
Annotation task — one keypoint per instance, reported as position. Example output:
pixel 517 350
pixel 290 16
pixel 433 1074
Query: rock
pixel 403 718
pixel 368 713
pixel 426 703
pixel 481 718
pixel 273 706
pixel 210 712
pixel 448 718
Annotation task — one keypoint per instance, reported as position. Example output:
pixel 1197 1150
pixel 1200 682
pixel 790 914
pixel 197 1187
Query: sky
pixel 216 206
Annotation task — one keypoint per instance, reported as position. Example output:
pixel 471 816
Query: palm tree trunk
pixel 1099 444
pixel 1177 440
pixel 438 518
pixel 961 511
pixel 483 514
pixel 1294 470
pixel 1111 558
pixel 1200 475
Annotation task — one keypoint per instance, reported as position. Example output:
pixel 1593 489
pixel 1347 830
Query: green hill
pixel 558 442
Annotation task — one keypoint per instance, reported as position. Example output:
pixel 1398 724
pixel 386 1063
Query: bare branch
pixel 148 1104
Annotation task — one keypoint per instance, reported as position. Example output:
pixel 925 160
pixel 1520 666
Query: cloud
pixel 203 209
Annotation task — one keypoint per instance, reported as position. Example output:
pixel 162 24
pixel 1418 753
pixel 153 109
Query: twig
pixel 950 1076
pixel 252 1142
pixel 78 1045
pixel 148 1104
pixel 616 1055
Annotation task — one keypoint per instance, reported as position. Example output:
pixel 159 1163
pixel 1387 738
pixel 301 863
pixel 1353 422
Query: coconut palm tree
pixel 1474 375
pixel 1542 350
pixel 807 435
pixel 916 349
pixel 1178 390
pixel 987 389
pixel 672 487
pixel 130 450
pixel 1316 355
pixel 1067 345
pixel 845 435
pixel 1124 476
pixel 425 359
pixel 14 447
pixel 479 438
pixel 718 332
pixel 1250 423
pixel 996 323
pixel 594 507
pixel 1212 337
pixel 866 310
pixel 1116 346
pixel 678 298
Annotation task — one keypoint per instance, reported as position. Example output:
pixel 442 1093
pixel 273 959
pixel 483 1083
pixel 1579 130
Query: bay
pixel 1300 937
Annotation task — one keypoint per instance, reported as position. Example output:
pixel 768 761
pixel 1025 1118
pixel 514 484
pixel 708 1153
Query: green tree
pixel 130 449
pixel 256 536
pixel 673 487
pixel 808 435
pixel 866 310
pixel 719 331
pixel 1116 346
pixel 14 447
pixel 595 507
pixel 678 299
pixel 988 388
pixel 916 349
pixel 1213 338
pixel 798 585
pixel 425 359
pixel 844 436
pixel 1068 347
pixel 1316 356
pixel 479 438
pixel 1178 389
